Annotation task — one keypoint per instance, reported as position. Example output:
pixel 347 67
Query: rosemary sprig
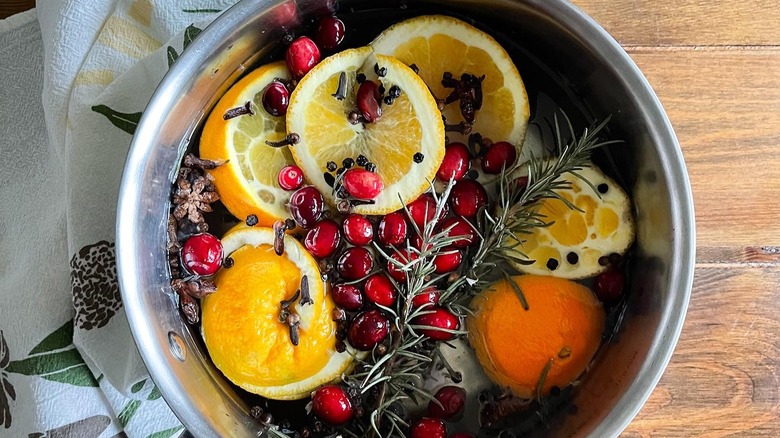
pixel 388 380
pixel 500 231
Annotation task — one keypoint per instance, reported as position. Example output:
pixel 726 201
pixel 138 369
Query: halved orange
pixel 241 326
pixel 551 342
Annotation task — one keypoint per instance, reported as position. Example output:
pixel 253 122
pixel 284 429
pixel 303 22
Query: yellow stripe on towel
pixel 123 36
pixel 94 77
pixel 141 11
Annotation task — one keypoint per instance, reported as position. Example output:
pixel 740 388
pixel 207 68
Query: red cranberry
pixel 395 271
pixel 609 285
pixel 440 318
pixel 392 229
pixel 368 98
pixel 460 228
pixel 368 329
pixel 447 261
pixel 202 254
pixel 330 32
pixel 452 400
pixel 276 98
pixel 290 177
pixel 380 290
pixel 501 155
pixel 456 162
pixel 355 263
pixel 358 230
pixel 467 197
pixel 429 428
pixel 332 405
pixel 423 209
pixel 362 184
pixel 521 182
pixel 301 56
pixel 417 242
pixel 426 298
pixel 323 239
pixel 347 296
pixel 306 206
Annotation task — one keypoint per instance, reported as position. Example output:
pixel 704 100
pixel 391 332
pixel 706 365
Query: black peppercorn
pixel 361 160
pixel 331 166
pixel 348 163
pixel 552 264
pixel 418 157
pixel 251 220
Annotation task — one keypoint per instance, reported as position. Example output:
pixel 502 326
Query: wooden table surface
pixel 716 68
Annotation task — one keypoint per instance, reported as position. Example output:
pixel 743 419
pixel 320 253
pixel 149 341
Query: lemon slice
pixel 572 245
pixel 411 124
pixel 437 44
pixel 247 183
pixel 241 326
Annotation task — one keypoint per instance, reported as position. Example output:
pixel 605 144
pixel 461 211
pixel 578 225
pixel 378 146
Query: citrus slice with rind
pixel 247 184
pixel 241 326
pixel 411 124
pixel 437 44
pixel 571 246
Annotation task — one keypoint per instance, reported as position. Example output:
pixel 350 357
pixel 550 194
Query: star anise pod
pixel 191 199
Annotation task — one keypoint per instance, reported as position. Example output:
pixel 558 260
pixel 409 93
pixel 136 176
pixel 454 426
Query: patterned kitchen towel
pixel 74 84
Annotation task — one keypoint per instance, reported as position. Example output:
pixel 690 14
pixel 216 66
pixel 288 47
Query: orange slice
pixel 572 245
pixel 437 44
pixel 247 183
pixel 412 124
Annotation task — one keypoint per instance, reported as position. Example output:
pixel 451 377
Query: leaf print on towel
pixel 167 433
pixel 189 35
pixel 7 390
pixel 55 359
pixel 125 121
pixel 90 427
pixel 94 283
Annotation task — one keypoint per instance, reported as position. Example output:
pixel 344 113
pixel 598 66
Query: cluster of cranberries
pixel 301 56
pixel 332 404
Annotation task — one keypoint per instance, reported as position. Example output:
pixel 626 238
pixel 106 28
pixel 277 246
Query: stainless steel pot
pixel 577 52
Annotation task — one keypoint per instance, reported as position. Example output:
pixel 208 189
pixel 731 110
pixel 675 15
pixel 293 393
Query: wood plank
pixel 687 22
pixel 725 108
pixel 724 377
pixel 11 7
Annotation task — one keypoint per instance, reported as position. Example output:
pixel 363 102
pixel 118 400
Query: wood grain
pixel 724 377
pixel 688 22
pixel 725 108
pixel 11 7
